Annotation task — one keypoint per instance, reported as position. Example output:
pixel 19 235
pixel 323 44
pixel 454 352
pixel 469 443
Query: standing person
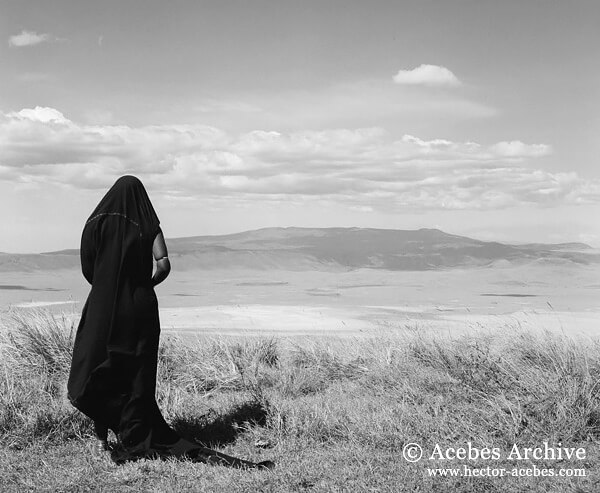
pixel 113 371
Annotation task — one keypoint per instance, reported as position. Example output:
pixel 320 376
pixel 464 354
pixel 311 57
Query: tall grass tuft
pixel 35 356
pixel 43 339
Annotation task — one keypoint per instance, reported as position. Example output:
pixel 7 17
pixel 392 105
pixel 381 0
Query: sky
pixel 479 118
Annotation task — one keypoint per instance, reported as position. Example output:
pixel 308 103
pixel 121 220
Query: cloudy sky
pixel 476 117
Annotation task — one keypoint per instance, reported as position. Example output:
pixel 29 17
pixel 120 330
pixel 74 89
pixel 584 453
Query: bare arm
pixel 163 266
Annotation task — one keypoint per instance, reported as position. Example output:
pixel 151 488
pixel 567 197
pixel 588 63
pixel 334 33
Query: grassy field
pixel 335 414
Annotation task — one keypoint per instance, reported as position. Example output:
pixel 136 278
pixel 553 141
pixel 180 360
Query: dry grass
pixel 334 414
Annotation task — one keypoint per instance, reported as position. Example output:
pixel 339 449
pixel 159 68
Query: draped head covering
pixel 128 198
pixel 114 356
pixel 114 364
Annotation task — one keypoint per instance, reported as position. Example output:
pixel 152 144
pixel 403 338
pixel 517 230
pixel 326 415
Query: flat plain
pixel 358 302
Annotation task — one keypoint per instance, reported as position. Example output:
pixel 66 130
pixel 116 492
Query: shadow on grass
pixel 220 430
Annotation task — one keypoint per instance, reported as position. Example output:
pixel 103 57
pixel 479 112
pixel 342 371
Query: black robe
pixel 113 370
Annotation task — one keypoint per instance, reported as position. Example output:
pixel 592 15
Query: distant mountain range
pixel 332 249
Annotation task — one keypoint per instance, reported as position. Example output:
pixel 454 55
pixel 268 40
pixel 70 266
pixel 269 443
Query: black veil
pixel 128 198
pixel 113 370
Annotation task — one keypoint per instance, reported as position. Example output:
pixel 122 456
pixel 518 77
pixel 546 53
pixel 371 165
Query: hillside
pixel 331 249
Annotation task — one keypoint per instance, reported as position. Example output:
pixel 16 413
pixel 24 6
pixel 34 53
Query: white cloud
pixel 30 38
pixel 368 169
pixel 427 75
pixel 40 114
pixel 517 148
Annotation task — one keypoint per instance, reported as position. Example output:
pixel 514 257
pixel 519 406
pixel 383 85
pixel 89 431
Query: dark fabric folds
pixel 113 370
